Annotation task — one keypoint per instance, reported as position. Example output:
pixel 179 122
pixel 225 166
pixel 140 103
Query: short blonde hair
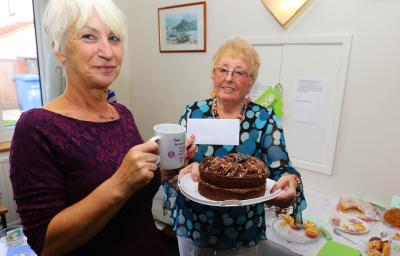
pixel 63 15
pixel 238 47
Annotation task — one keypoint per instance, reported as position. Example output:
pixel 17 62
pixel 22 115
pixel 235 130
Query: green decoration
pixel 272 97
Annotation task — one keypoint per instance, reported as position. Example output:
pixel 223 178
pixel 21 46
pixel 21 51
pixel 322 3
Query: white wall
pixel 121 85
pixel 368 141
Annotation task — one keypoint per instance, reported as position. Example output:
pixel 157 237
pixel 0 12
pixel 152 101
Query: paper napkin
pixel 332 248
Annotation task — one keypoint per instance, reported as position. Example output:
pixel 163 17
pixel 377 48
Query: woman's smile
pixel 228 88
pixel 106 68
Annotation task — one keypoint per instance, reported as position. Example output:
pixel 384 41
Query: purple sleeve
pixel 37 180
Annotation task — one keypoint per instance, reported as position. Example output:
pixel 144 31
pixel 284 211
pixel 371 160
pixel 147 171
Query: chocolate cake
pixel 235 176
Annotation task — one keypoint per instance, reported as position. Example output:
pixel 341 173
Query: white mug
pixel 171 138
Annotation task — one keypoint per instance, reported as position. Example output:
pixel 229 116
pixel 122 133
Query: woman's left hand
pixel 192 168
pixel 288 186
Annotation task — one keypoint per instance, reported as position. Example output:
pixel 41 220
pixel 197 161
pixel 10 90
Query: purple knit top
pixel 56 161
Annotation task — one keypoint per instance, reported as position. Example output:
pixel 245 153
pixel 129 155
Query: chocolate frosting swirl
pixel 234 165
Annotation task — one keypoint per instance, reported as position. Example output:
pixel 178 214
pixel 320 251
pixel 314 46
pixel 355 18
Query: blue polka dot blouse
pixel 222 228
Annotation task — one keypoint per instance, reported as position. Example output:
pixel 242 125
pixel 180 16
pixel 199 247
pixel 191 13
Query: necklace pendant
pixel 241 116
pixel 101 116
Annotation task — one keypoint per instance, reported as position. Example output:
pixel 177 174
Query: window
pixel 20 88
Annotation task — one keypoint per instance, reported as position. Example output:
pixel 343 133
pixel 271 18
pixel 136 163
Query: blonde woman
pixel 208 230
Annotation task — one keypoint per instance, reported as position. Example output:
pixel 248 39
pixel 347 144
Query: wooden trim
pixel 5 146
pixel 3 209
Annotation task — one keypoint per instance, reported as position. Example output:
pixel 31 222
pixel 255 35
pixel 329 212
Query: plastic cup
pixel 13 235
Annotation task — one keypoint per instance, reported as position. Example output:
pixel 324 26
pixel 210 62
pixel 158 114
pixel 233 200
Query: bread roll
pixel 386 248
pixel 375 243
pixel 374 252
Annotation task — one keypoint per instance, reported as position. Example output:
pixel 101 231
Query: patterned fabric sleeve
pixel 111 97
pixel 261 135
pixel 184 115
pixel 277 159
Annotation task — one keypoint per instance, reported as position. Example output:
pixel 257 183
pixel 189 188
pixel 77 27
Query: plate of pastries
pixel 349 224
pixel 377 246
pixel 287 229
pixel 358 208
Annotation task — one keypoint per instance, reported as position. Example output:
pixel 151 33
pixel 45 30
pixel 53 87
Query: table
pixel 323 207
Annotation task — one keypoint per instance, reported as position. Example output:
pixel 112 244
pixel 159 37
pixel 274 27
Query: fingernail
pixel 192 136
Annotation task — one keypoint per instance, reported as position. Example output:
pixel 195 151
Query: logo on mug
pixel 171 154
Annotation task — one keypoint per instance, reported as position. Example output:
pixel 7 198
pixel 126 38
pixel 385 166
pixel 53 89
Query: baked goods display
pixel 310 229
pixel 360 208
pixel 235 176
pixel 377 247
pixel 392 216
pixel 289 230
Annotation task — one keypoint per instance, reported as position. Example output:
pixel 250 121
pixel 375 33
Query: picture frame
pixel 182 28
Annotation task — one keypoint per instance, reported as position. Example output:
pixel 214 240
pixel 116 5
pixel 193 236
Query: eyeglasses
pixel 224 72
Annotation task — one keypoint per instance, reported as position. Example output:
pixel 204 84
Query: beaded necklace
pixel 214 109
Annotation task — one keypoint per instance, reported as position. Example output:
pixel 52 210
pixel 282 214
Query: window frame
pixel 43 49
pixel 6 133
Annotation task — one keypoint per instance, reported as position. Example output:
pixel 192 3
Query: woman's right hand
pixel 190 149
pixel 137 168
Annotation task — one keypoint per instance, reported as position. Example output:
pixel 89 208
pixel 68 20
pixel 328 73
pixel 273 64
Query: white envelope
pixel 214 131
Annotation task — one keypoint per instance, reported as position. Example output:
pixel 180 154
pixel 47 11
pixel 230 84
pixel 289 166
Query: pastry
pixel 375 243
pixel 392 216
pixel 377 247
pixel 366 210
pixel 310 229
pixel 385 248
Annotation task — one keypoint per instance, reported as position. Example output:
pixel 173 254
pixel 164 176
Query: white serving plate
pixel 188 188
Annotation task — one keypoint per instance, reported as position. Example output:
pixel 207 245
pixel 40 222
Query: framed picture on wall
pixel 182 28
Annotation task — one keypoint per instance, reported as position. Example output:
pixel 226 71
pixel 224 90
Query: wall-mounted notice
pixel 312 71
pixel 307 105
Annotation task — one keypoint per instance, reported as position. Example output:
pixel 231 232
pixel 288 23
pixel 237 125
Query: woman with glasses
pixel 209 230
